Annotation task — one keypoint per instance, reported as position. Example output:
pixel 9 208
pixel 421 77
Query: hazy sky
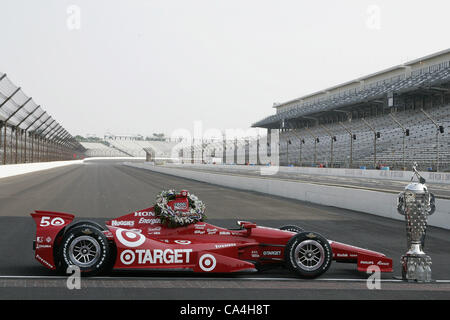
pixel 135 66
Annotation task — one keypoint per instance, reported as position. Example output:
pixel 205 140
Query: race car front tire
pixel 308 254
pixel 87 248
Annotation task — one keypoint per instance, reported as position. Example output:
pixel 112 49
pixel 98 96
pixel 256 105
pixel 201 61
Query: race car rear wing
pixel 48 225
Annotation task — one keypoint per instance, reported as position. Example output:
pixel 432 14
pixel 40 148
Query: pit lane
pixel 102 190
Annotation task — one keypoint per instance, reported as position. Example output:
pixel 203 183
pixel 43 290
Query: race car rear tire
pixel 87 248
pixel 308 254
pixel 86 223
pixel 292 228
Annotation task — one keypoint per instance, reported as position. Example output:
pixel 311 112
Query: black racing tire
pixel 86 247
pixel 308 254
pixel 86 223
pixel 292 228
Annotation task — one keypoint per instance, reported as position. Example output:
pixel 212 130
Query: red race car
pixel 141 240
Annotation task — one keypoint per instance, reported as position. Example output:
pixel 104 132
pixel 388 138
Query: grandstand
pixel 97 149
pixel 135 148
pixel 389 118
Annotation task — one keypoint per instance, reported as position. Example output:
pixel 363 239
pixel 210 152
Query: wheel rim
pixel 84 251
pixel 309 255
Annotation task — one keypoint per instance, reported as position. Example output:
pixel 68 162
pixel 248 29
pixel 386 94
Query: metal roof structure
pixel 430 77
pixel 17 110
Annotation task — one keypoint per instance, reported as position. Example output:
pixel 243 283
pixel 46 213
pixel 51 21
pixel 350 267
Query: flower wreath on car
pixel 177 218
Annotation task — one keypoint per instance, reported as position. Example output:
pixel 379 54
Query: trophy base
pixel 416 268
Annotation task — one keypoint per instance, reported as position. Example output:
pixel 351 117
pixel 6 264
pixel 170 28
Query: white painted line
pixel 208 278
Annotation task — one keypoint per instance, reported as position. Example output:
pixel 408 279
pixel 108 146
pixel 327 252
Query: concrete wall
pixel 9 170
pixel 372 202
pixel 435 177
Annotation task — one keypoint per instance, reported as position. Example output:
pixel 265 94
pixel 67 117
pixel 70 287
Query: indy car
pixel 141 240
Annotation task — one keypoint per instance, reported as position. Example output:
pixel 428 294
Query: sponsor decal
pixel 154 229
pixel 43 261
pixel 155 256
pixel 207 262
pixel 255 254
pixel 224 233
pixel 199 232
pixel 366 262
pixel 381 263
pixel 272 253
pixel 43 246
pixel 212 231
pixel 116 223
pixel 45 221
pixel 343 255
pixel 48 239
pixel 144 214
pixel 87 231
pixel 225 245
pixel 39 239
pixel 182 241
pixel 149 221
pixel 180 205
pixel 129 238
pixel 108 233
pixel 199 226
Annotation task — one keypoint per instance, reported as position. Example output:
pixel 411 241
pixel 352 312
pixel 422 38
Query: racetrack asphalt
pixel 105 189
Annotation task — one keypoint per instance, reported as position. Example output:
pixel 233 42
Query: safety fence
pixel 28 133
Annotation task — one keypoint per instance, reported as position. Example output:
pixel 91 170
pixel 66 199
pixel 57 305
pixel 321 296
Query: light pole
pixel 333 139
pixel 405 133
pixel 316 140
pixel 375 136
pixel 439 129
pixel 301 141
pixel 352 137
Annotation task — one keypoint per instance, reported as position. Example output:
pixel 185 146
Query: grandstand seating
pixel 426 77
pixel 135 148
pixel 420 145
pixel 95 149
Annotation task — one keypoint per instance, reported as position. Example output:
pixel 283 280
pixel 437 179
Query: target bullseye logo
pixel 57 222
pixel 182 241
pixel 127 257
pixel 129 238
pixel 207 262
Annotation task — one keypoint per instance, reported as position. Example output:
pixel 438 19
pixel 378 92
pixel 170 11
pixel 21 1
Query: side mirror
pixel 247 225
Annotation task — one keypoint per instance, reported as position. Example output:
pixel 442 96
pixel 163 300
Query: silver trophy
pixel 416 204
